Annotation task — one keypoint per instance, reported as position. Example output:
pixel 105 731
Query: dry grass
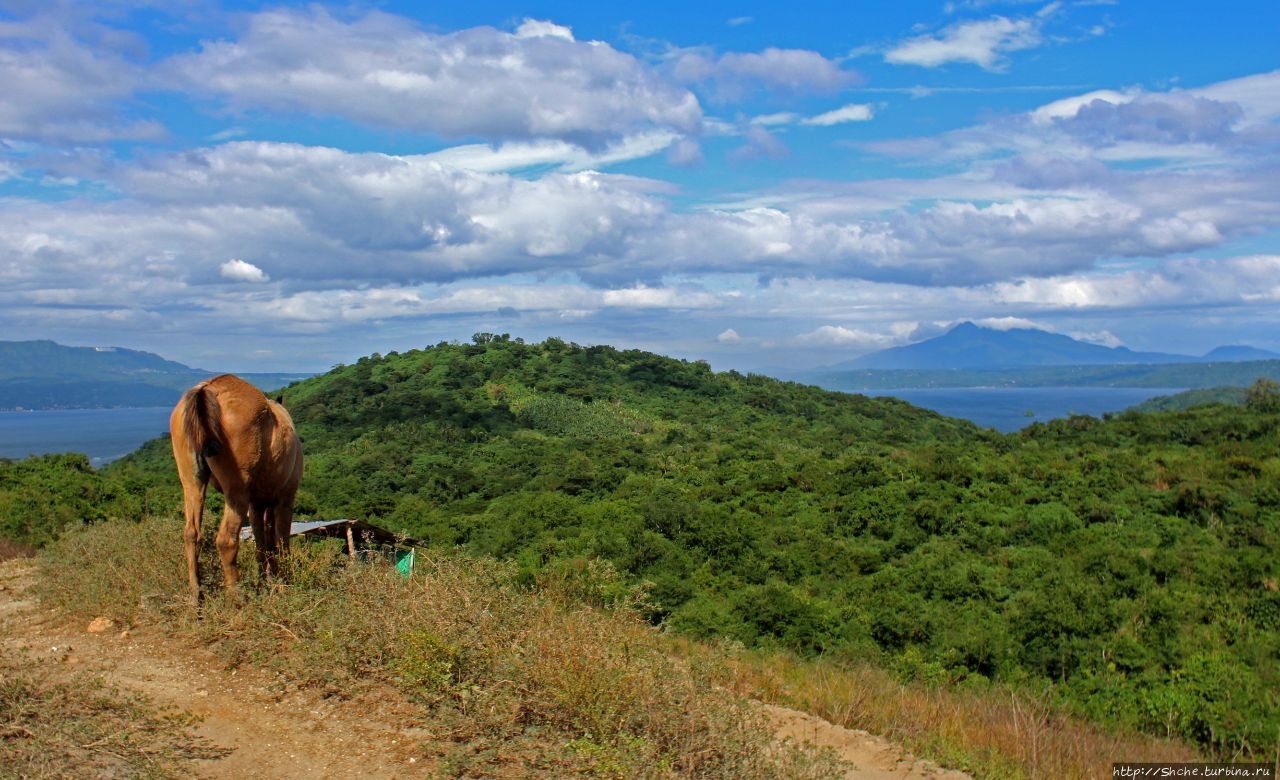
pixel 993 731
pixel 56 729
pixel 567 679
pixel 11 549
pixel 511 683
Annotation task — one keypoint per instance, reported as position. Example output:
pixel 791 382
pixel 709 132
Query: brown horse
pixel 225 431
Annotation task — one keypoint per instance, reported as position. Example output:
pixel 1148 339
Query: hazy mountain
pixel 1236 354
pixel 48 375
pixel 48 359
pixel 969 346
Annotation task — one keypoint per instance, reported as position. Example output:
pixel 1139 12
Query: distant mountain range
pixel 1239 354
pixel 973 347
pixel 973 356
pixel 48 375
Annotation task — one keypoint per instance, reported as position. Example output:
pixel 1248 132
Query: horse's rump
pixel 200 425
pixel 225 432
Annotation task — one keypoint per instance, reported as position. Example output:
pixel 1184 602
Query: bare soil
pixel 267 729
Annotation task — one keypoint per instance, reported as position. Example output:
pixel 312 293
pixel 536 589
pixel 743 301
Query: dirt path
pixel 870 757
pixel 269 731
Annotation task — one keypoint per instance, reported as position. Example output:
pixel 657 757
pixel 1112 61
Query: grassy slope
pixel 556 680
pixel 564 681
pixel 1131 564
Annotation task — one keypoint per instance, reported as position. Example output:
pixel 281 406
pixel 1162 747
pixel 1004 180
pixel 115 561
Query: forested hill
pixel 47 375
pixel 1131 564
pixel 497 385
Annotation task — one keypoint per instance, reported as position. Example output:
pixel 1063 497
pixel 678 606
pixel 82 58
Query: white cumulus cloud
pixel 60 89
pixel 536 28
pixel 242 271
pixel 983 43
pixel 841 336
pixel 382 70
pixel 856 112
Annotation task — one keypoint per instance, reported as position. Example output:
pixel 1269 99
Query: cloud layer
pixel 564 186
pixel 536 82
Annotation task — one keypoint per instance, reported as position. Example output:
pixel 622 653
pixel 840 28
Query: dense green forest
pixel 1190 398
pixel 1129 566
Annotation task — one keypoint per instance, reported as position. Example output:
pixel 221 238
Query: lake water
pixel 1012 408
pixel 102 434
pixel 107 434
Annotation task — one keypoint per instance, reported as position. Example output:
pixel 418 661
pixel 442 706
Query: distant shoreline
pixel 107 433
pixel 1129 375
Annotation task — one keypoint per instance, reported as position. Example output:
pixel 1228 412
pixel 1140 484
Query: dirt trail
pixel 869 756
pixel 269 731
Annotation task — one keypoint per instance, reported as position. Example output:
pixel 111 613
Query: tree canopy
pixel 1131 562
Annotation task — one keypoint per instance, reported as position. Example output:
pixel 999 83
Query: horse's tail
pixel 200 425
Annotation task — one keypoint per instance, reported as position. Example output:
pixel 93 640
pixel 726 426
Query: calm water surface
pixel 102 434
pixel 1012 408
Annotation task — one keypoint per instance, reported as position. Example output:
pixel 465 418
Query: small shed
pixel 364 539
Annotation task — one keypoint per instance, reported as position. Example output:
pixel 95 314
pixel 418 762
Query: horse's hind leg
pixel 264 536
pixel 192 510
pixel 228 543
pixel 277 522
pixel 281 516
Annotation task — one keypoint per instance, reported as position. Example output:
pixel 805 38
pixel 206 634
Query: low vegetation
pixel 558 678
pixel 994 731
pixel 51 728
pixel 1120 572
pixel 561 680
pixel 1261 395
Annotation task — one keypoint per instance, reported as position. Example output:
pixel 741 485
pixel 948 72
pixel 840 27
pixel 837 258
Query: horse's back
pixel 262 450
pixel 242 405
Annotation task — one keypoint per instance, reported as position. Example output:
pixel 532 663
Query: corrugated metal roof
pixel 311 525
pixel 335 528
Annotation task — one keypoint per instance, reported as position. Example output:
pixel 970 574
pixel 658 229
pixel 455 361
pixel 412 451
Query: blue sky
pixel 766 186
